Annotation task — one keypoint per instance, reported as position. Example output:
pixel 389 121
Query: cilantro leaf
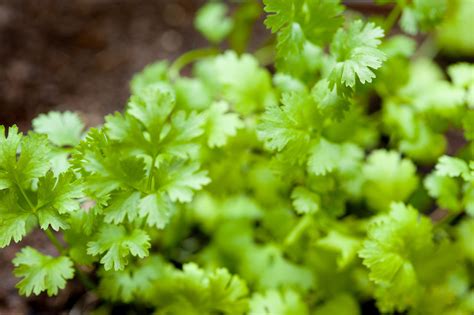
pixel 451 166
pixel 245 85
pixel 62 129
pixel 152 74
pixel 212 22
pixel 325 157
pixel 298 21
pixel 14 220
pixel 152 107
pixel 462 75
pixel 180 180
pixel 343 304
pixel 115 244
pixel 445 189
pixel 157 209
pixel 195 291
pixel 128 284
pixel 32 162
pixel 305 201
pixel 347 246
pixel 396 247
pixel 322 157
pixel 123 205
pixel 221 125
pixel 275 302
pixel 356 54
pixel 422 14
pixel 61 194
pixel 290 125
pixel 388 178
pixel 41 272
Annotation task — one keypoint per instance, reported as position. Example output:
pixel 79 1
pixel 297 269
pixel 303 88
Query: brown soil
pixel 81 54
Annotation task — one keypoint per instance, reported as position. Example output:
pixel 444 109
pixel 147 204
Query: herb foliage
pixel 243 190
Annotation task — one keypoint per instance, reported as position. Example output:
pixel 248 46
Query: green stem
pixel 60 248
pixel 152 171
pixel 88 284
pixel 30 204
pixel 428 48
pixel 392 19
pixel 297 231
pixel 190 57
pixel 265 55
pixel 57 244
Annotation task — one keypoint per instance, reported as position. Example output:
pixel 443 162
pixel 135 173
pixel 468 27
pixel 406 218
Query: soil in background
pixel 81 54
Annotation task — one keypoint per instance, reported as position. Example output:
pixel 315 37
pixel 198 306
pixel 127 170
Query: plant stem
pixel 30 204
pixel 88 284
pixel 57 244
pixel 265 55
pixel 428 48
pixel 392 19
pixel 296 232
pixel 152 171
pixel 190 57
pixel 60 248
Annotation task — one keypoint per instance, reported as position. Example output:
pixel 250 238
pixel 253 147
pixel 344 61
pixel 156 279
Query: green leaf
pixel 462 75
pixel 422 14
pixel 290 125
pixel 62 129
pixel 356 54
pixel 267 266
pixel 192 93
pixel 195 291
pixel 60 193
pixel 180 180
pixel 152 74
pixel 156 209
pixel 115 244
pixel 345 245
pixel 388 178
pixel 274 302
pixel 32 162
pixel 105 169
pixel 446 190
pixel 397 247
pixel 221 124
pixel 122 206
pixel 305 201
pixel 328 100
pixel 41 272
pixel 178 136
pixel 298 21
pixel 152 107
pixel 14 220
pixel 212 22
pixel 129 284
pixel 326 157
pixel 323 157
pixel 451 166
pixel 341 304
pixel 245 85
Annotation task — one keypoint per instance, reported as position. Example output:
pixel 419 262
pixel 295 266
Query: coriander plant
pixel 316 175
